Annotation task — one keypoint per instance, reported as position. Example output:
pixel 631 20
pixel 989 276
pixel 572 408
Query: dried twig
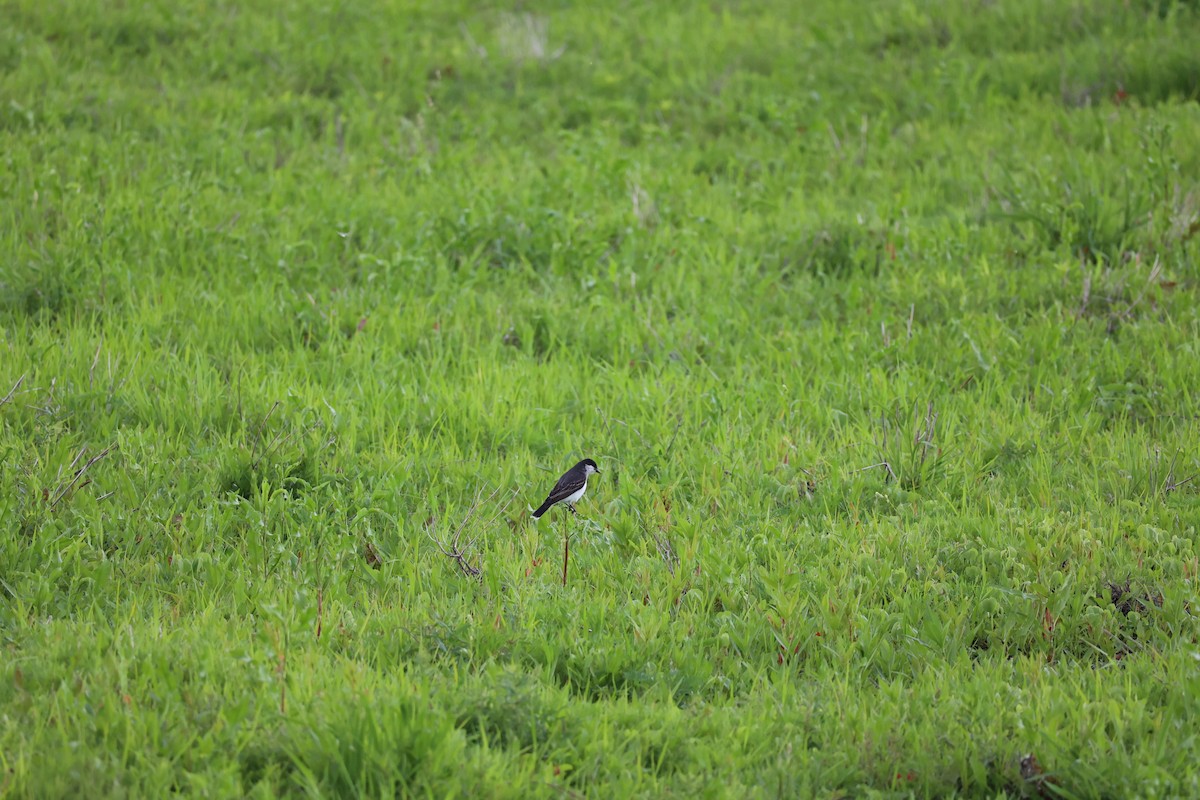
pixel 320 609
pixel 280 439
pixel 674 436
pixel 884 464
pixel 663 545
pixel 12 391
pixel 924 435
pixel 79 473
pixel 458 552
pixel 1169 483
pixel 912 456
pixel 1173 484
pixel 881 445
pixel 92 368
pixel 262 428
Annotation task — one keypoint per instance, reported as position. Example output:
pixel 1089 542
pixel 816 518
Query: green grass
pixel 882 324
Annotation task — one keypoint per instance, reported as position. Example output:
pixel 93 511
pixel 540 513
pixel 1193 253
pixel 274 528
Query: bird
pixel 570 487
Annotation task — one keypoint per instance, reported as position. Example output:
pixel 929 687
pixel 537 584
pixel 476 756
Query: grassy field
pixel 880 320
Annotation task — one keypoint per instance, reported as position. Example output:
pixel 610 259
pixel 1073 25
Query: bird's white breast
pixel 574 498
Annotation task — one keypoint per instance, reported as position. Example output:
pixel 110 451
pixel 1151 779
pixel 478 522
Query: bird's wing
pixel 567 485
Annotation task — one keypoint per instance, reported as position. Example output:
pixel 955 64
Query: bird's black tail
pixel 543 509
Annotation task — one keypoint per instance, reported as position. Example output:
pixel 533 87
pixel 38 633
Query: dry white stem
pixel 79 473
pixel 454 549
pixel 12 391
pixel 884 464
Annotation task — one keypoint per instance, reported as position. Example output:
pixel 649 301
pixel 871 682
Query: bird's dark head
pixel 589 466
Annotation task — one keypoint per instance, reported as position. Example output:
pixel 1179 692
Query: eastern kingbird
pixel 570 487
